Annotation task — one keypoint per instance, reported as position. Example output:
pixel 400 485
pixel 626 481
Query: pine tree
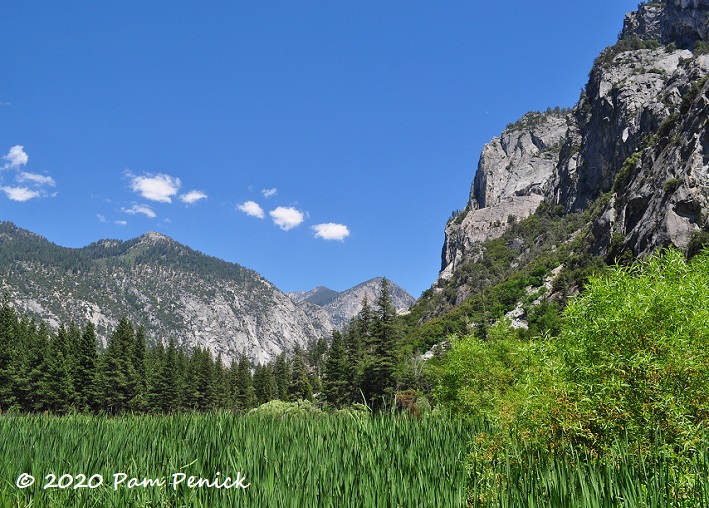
pixel 300 387
pixel 163 388
pixel 84 371
pixel 57 393
pixel 139 402
pixel 281 373
pixel 246 395
pixel 29 366
pixel 220 391
pixel 381 361
pixel 200 380
pixel 118 378
pixel 335 383
pixel 8 345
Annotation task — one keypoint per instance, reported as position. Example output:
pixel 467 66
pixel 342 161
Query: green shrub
pixel 635 349
pixel 482 377
pixel 626 171
pixel 672 185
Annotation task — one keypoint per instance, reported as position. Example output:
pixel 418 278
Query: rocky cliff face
pixel 637 135
pixel 513 176
pixel 680 22
pixel 175 292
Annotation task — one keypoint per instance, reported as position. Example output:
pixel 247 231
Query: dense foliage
pixel 622 387
pixel 66 371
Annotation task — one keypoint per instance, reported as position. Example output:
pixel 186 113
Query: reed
pixel 311 461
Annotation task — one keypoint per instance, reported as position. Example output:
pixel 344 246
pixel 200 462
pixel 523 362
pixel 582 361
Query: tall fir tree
pixel 245 393
pixel 384 341
pixel 139 402
pixel 58 385
pixel 29 366
pixel 8 347
pixel 281 373
pixel 336 384
pixel 85 372
pixel 300 387
pixel 118 379
pixel 163 387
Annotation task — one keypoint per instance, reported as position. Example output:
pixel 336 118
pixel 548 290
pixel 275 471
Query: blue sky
pixel 318 143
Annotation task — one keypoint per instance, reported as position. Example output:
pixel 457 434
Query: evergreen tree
pixel 139 402
pixel 57 393
pixel 336 383
pixel 118 378
pixel 246 395
pixel 8 344
pixel 163 392
pixel 181 377
pixel 315 355
pixel 200 380
pixel 84 372
pixel 300 387
pixel 220 391
pixel 29 366
pixel 354 352
pixel 281 373
pixel 381 361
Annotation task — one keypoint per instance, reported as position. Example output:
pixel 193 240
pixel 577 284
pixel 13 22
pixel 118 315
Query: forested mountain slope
pixel 173 291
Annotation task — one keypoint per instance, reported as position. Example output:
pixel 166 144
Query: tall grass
pixel 624 477
pixel 316 461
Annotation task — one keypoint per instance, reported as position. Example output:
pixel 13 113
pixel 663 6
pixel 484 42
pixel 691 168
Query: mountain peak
pixel 343 306
pixel 154 237
pixel 680 22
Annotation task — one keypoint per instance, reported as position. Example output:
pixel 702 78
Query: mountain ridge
pixel 177 293
pixel 342 306
pixel 174 291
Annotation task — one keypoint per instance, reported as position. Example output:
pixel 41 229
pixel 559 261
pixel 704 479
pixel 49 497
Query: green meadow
pixel 226 460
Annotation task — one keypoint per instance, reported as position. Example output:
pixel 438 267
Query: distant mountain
pixel 175 292
pixel 342 306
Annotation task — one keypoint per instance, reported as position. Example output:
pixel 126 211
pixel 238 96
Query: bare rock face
pixel 665 199
pixel 680 22
pixel 638 135
pixel 511 181
pixel 627 98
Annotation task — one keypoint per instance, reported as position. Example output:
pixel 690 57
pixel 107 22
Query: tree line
pixel 67 371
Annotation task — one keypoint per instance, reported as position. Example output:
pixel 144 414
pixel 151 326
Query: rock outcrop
pixel 638 135
pixel 513 176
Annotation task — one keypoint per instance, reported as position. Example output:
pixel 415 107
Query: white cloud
pixel 20 193
pixel 15 158
pixel 267 193
pixel 144 209
pixel 36 179
pixel 287 218
pixel 192 197
pixel 331 231
pixel 101 218
pixel 253 209
pixel 159 188
pixel 121 222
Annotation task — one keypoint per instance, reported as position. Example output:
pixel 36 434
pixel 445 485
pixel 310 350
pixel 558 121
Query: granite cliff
pixel 636 140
